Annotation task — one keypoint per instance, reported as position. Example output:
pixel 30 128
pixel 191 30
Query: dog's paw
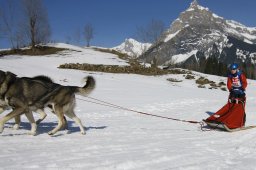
pixel 16 126
pixel 50 133
pixel 83 133
pixel 32 133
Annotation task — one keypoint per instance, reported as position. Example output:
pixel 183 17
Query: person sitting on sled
pixel 236 82
pixel 232 115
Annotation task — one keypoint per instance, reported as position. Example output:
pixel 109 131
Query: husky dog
pixel 62 99
pixel 25 95
pixel 4 106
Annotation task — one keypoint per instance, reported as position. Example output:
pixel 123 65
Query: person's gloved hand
pixel 242 89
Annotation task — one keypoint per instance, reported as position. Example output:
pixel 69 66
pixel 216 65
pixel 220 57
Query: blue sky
pixel 115 20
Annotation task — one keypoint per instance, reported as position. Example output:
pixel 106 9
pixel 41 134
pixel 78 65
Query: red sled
pixel 232 115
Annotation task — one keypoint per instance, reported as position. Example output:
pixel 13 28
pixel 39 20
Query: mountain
pixel 132 47
pixel 198 34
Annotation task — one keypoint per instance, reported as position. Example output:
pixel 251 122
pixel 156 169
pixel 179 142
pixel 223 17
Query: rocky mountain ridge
pixel 198 34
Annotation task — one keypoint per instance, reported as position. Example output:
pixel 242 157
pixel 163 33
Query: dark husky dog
pixel 7 82
pixel 25 95
pixel 4 105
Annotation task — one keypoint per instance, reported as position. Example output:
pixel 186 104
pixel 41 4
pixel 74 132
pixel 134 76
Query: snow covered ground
pixel 123 140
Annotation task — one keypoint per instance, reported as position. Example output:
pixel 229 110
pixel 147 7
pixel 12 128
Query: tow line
pixel 107 104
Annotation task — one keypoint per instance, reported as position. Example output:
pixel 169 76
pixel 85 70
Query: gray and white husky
pixel 25 95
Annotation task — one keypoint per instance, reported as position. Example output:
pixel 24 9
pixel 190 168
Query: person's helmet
pixel 233 66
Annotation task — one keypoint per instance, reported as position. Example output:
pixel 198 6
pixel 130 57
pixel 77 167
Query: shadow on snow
pixel 45 127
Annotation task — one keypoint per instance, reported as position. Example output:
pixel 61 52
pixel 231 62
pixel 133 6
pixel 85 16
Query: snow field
pixel 123 140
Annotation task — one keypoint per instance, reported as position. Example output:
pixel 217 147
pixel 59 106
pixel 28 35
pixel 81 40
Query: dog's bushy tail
pixel 88 87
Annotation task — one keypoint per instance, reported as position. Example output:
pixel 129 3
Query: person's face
pixel 233 71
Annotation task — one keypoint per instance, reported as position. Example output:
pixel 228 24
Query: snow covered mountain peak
pixel 195 15
pixel 195 6
pixel 198 34
pixel 198 16
pixel 132 47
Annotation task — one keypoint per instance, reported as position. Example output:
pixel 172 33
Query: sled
pixel 230 116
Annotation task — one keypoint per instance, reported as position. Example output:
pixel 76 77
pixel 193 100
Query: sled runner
pixel 238 129
pixel 230 117
pixel 222 126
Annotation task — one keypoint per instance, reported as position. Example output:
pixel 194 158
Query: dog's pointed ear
pixel 11 74
pixel 10 77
